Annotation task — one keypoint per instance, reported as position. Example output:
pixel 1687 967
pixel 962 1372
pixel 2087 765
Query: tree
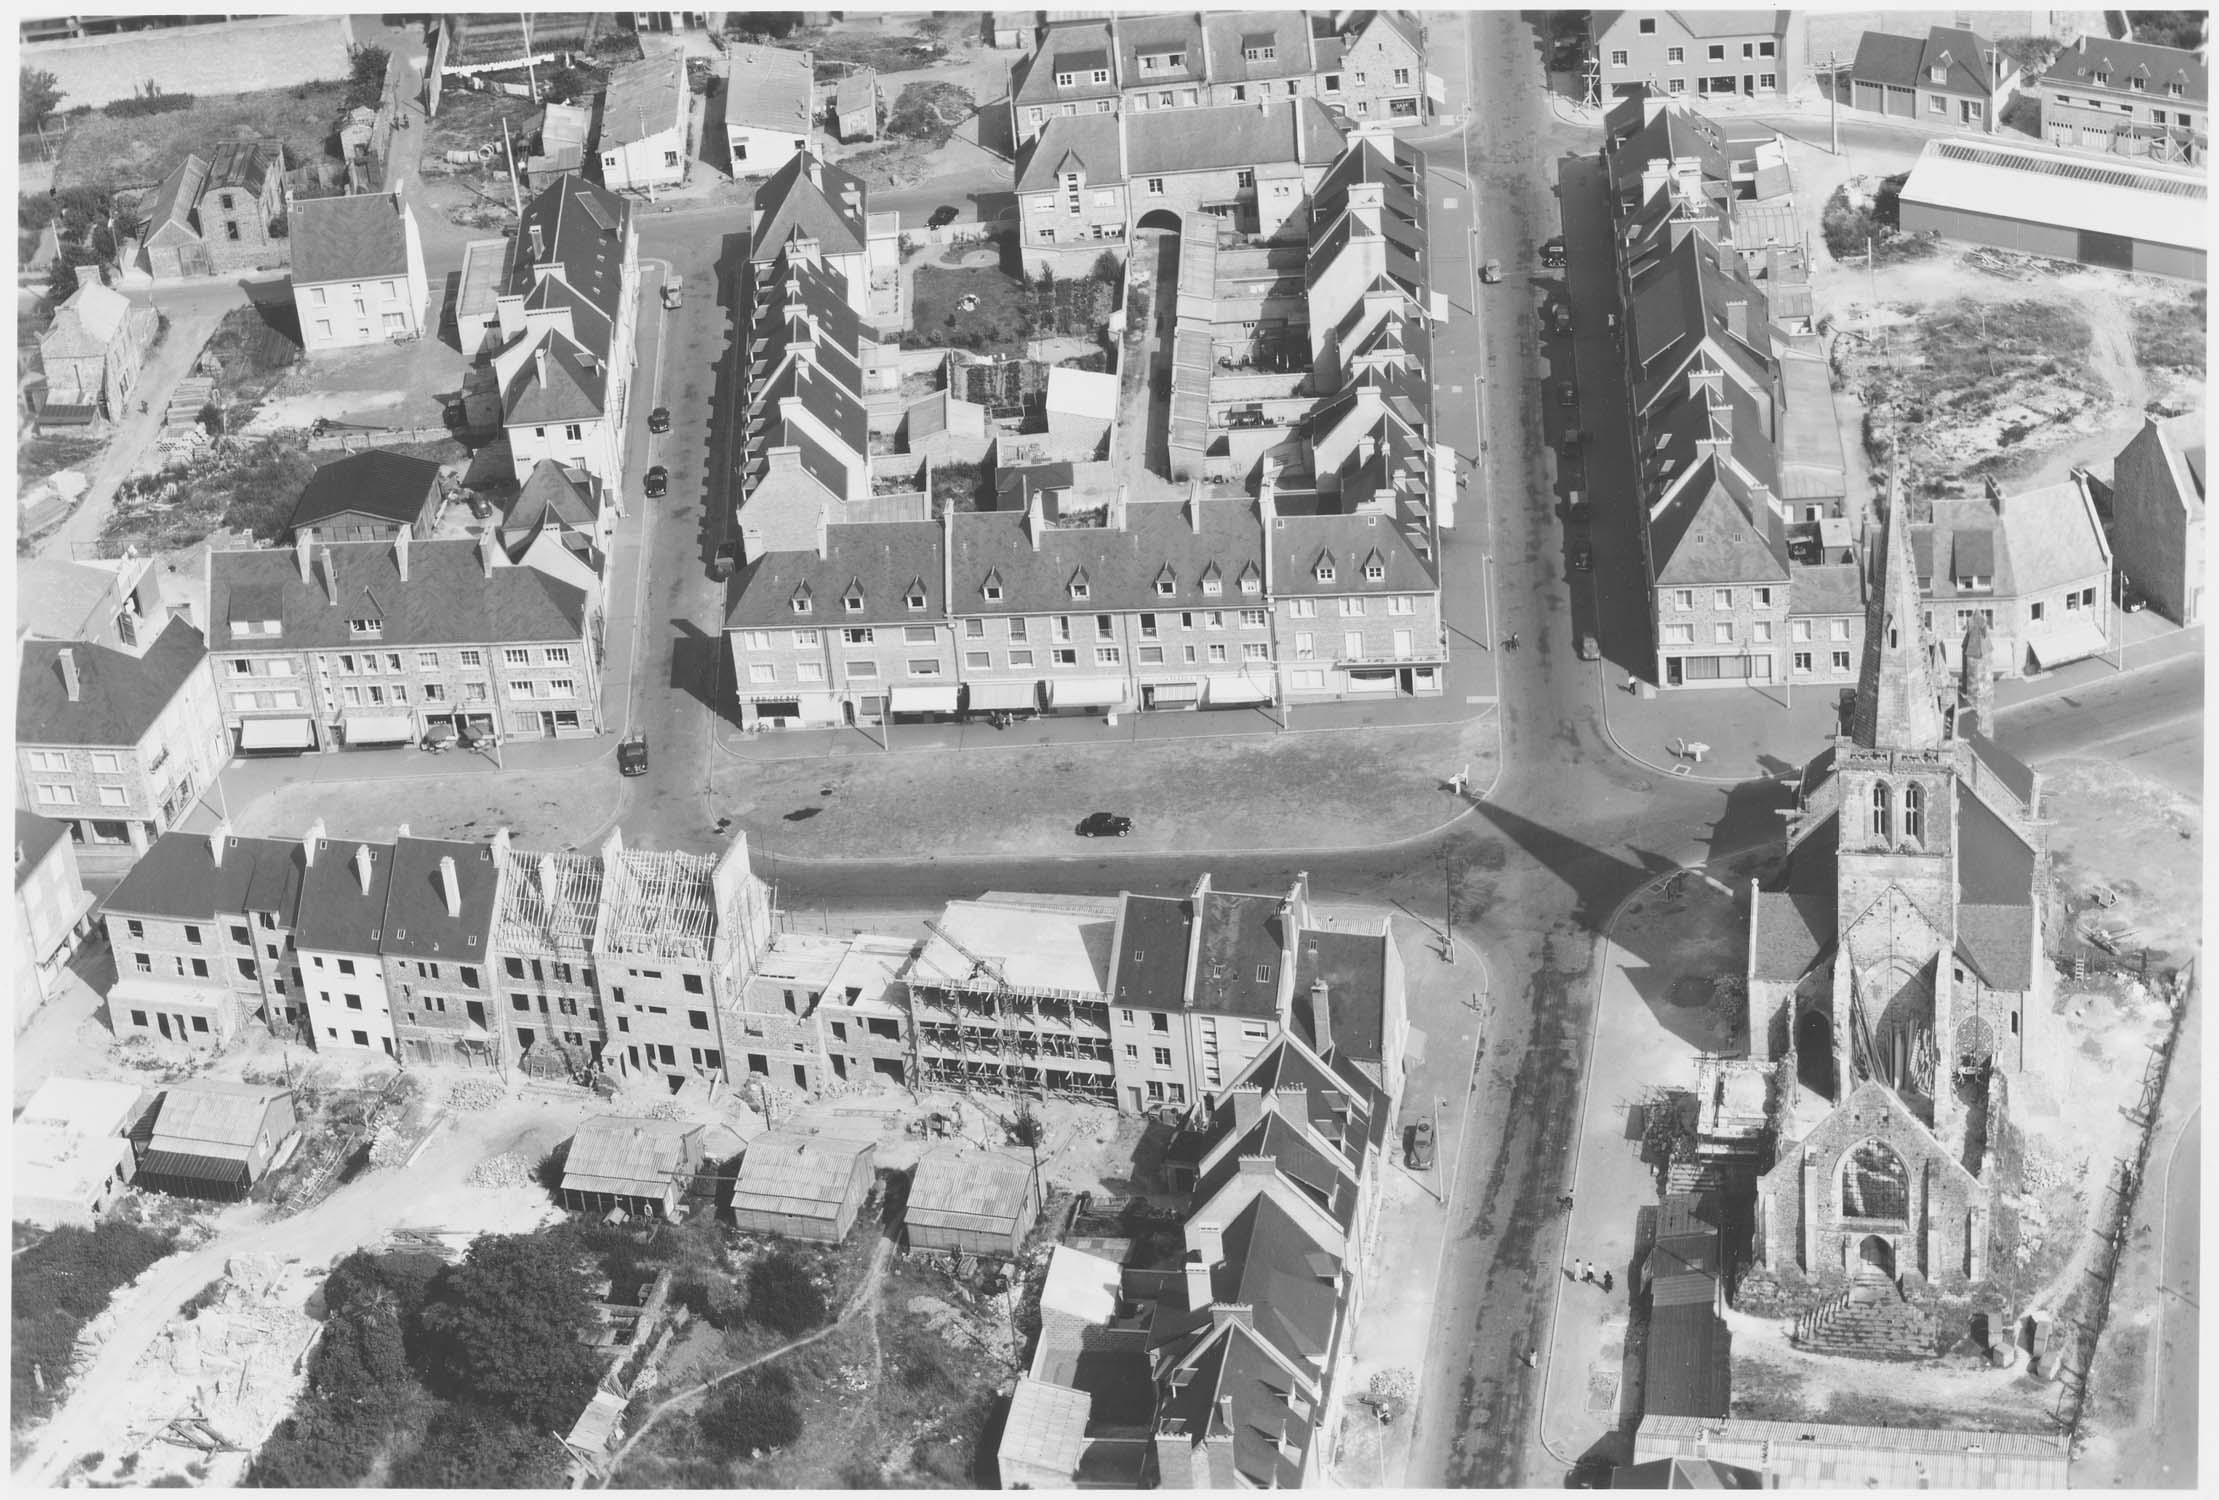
pixel 470 1448
pixel 2168 28
pixel 930 112
pixel 501 1331
pixel 781 1297
pixel 365 77
pixel 41 92
pixel 756 1413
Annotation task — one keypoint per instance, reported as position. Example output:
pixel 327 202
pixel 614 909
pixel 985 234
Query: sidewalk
pixel 1643 1039
pixel 1775 730
pixel 1395 1324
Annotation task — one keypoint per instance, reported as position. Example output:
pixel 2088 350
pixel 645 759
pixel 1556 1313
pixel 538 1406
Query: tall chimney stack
pixel 304 552
pixel 1321 1016
pixel 217 838
pixel 400 553
pixel 331 574
pixel 70 685
pixel 539 359
pixel 310 840
pixel 362 863
pixel 450 885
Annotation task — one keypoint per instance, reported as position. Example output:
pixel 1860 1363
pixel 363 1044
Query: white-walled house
pixel 643 125
pixel 769 108
pixel 358 271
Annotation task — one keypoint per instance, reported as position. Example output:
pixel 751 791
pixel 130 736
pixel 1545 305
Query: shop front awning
pixel 187 1175
pixel 1174 692
pixel 2072 643
pixel 987 697
pixel 1231 689
pixel 924 700
pixel 1088 692
pixel 378 729
pixel 276 734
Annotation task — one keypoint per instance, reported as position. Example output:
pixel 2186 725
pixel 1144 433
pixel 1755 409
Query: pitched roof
pixel 1288 1280
pixel 857 91
pixel 447 599
pixel 1885 58
pixel 1092 145
pixel 553 490
pixel 349 239
pixel 954 1189
pixel 2078 65
pixel 86 324
pixel 582 227
pixel 880 559
pixel 416 921
pixel 1687 1369
pixel 1076 46
pixel 338 912
pixel 34 836
pixel 209 1112
pixel 1151 961
pixel 785 1172
pixel 629 1156
pixel 812 197
pixel 1354 968
pixel 373 482
pixel 1236 960
pixel 1298 1159
pixel 1135 35
pixel 1232 34
pixel 1346 544
pixel 2008 768
pixel 1164 142
pixel 120 696
pixel 1124 567
pixel 1235 1375
pixel 2053 536
pixel 648 97
pixel 1706 535
pixel 779 92
pixel 243 164
pixel 175 198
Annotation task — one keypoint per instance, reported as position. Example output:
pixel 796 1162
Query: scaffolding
pixel 978 1033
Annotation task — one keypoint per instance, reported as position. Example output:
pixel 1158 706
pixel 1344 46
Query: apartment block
pixel 2128 98
pixel 1698 53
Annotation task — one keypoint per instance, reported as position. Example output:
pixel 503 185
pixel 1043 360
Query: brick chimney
pixel 450 885
pixel 1035 521
pixel 1248 1108
pixel 539 362
pixel 331 575
pixel 304 552
pixel 1321 1016
pixel 362 865
pixel 539 244
pixel 217 838
pixel 310 840
pixel 88 276
pixel 1205 1248
pixel 74 689
pixel 485 551
pixel 400 553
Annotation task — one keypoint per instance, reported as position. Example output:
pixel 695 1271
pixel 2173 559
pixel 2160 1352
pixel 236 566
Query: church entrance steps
pixel 1868 1321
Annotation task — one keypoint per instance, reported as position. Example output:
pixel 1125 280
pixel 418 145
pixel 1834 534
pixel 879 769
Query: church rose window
pixel 1875 1184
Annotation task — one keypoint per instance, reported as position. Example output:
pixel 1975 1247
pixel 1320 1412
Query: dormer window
pixel 2139 85
pixel 1066 80
pixel 1213 584
pixel 853 603
pixel 992 593
pixel 2103 80
pixel 1264 53
pixel 1939 73
pixel 1101 75
pixel 915 599
pixel 1375 571
pixel 1324 570
pixel 1166 588
pixel 1080 588
pixel 801 604
pixel 1251 581
pixel 366 627
pixel 1974 583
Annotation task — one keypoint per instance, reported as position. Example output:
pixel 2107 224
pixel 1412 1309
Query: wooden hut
pixel 640 1166
pixel 804 1187
pixel 963 1203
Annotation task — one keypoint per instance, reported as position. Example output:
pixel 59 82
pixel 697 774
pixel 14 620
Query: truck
pixel 674 291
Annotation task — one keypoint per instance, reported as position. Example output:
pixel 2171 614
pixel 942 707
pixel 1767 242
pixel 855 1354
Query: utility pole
pixel 1448 902
pixel 1833 97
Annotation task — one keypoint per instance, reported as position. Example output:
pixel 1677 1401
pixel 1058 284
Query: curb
pixel 1676 773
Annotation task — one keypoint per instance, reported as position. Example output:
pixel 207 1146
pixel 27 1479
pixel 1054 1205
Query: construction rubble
pixel 506 1170
pixel 474 1094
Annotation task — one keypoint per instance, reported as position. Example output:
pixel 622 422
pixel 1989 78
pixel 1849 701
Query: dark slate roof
pixel 1163 142
pixel 1883 57
pixel 1236 1367
pixel 34 836
pixel 1299 542
pixel 1994 865
pixel 1688 1362
pixel 1275 1268
pixel 391 486
pixel 447 599
pixel 834 406
pixel 243 164
pixel 1792 926
pixel 174 199
pixel 1240 940
pixel 832 213
pixel 1069 46
pixel 178 879
pixel 582 226
pixel 1122 567
pixel 119 695
pixel 2077 66
pixel 347 239
pixel 1093 144
pixel 1321 1177
pixel 416 920
pixel 2008 768
pixel 884 557
pixel 1354 967
pixel 1015 484
pixel 1705 536
pixel 336 913
pixel 1285 1065
pixel 1232 33
pixel 1152 952
pixel 1177 32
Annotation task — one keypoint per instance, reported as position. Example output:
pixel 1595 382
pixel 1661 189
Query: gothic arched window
pixel 1914 813
pixel 1883 824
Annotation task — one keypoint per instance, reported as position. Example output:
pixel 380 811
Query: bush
pixel 1847 231
pixel 147 104
pixel 501 1331
pixel 930 112
pixel 58 1286
pixel 781 1296
pixel 468 1448
pixel 756 1413
pixel 39 92
pixel 365 77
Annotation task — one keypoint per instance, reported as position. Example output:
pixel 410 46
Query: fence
pixel 380 437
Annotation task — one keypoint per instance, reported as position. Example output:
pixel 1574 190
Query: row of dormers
pixel 1324 568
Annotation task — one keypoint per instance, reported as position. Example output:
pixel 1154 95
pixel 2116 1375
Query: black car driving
pixel 1105 825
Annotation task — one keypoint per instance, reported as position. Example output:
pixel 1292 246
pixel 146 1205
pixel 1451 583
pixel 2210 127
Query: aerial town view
pixel 917 749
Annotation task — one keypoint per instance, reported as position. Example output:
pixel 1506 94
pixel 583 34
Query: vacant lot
pixel 38 457
pixel 2169 333
pixel 141 152
pixel 253 348
pixel 467 121
pixel 997 324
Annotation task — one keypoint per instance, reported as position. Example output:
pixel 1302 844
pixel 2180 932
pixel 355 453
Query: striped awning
pixel 1174 692
pixel 276 734
pixel 988 696
pixel 378 729
pixel 925 700
pixel 2073 643
pixel 1087 692
pixel 1231 689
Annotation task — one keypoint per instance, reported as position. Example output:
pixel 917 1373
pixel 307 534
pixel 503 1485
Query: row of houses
pixel 1219 1367
pixel 638 962
pixel 1749 537
pixel 1361 66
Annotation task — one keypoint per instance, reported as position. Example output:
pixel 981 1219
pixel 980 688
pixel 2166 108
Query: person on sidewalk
pixel 1528 1359
pixel 1586 1271
pixel 1608 1281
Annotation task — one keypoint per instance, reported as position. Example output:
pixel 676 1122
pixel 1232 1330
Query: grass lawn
pixel 141 152
pixel 467 121
pixel 2169 333
pixel 996 326
pixel 37 457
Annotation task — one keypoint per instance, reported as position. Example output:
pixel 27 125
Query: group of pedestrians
pixel 1586 1272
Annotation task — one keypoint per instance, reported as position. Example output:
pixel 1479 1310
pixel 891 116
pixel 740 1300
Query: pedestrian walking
pixel 1586 1271
pixel 1564 1200
pixel 1608 1281
pixel 1527 1359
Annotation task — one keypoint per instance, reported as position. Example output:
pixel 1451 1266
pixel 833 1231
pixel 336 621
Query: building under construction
pixel 1009 995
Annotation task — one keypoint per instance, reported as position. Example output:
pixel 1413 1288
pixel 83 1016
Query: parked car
pixel 1552 251
pixel 1590 649
pixel 1575 505
pixel 1491 272
pixel 1575 438
pixel 1583 557
pixel 1420 1155
pixel 658 482
pixel 724 560
pixel 658 420
pixel 1105 825
pixel 1567 394
pixel 1560 317
pixel 674 292
pixel 944 215
pixel 631 755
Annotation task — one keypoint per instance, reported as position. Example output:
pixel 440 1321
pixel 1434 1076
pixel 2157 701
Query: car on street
pixel 1575 505
pixel 724 561
pixel 658 482
pixel 1590 649
pixel 1491 272
pixel 1420 1154
pixel 1567 394
pixel 1552 252
pixel 1560 317
pixel 1583 557
pixel 945 214
pixel 631 755
pixel 674 292
pixel 1105 825
pixel 658 420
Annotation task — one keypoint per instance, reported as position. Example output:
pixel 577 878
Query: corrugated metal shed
pixel 959 1200
pixel 631 1157
pixel 809 1186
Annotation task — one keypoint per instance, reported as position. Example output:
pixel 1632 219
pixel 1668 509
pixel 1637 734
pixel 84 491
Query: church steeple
pixel 1898 706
